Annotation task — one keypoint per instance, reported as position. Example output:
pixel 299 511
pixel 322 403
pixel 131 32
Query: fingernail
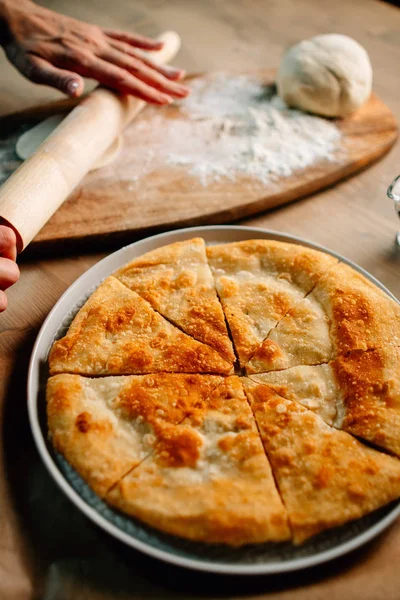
pixel 172 70
pixel 182 90
pixel 72 86
pixel 175 74
pixel 164 99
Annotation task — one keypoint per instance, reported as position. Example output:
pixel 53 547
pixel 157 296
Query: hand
pixel 9 271
pixel 52 49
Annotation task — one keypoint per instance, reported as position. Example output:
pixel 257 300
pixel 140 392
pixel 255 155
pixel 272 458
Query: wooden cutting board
pixel 115 204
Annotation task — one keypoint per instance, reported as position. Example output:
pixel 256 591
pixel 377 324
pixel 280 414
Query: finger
pixel 9 273
pixel 119 79
pixel 145 73
pixel 133 39
pixel 3 301
pixel 169 72
pixel 8 242
pixel 41 71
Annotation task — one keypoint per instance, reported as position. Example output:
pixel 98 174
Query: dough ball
pixel 328 75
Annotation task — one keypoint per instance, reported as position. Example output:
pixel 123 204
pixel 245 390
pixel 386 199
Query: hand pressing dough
pixel 328 75
pixel 30 141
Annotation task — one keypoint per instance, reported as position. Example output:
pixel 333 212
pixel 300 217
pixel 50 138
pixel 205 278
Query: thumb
pixel 39 70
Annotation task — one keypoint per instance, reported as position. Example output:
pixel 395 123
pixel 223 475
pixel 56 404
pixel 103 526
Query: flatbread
pixel 370 385
pixel 208 478
pixel 106 426
pixel 258 282
pixel 314 387
pixel 344 312
pixel 359 393
pixel 118 333
pixel 326 477
pixel 302 337
pixel 176 280
pixel 167 434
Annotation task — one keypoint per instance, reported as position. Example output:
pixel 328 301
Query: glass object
pixel 394 194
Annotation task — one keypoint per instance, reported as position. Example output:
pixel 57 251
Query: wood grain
pixel 108 205
pixel 47 548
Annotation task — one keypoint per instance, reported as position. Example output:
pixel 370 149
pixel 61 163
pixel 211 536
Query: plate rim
pixel 61 481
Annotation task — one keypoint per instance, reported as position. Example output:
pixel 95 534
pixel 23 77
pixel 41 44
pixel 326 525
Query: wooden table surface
pixel 48 550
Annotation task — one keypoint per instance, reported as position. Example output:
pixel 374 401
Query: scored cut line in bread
pixel 118 333
pixel 107 426
pixel 344 312
pixel 208 477
pixel 326 477
pixel 358 393
pixel 258 281
pixel 177 281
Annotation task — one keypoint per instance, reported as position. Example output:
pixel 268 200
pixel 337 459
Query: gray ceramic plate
pixel 249 560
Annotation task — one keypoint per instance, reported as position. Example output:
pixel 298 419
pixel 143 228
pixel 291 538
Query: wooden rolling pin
pixel 41 184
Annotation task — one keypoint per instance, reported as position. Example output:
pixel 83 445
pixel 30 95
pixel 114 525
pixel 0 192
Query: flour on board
pixel 234 126
pixel 230 127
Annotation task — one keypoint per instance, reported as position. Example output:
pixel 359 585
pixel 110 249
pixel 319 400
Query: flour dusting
pixel 234 126
pixel 230 127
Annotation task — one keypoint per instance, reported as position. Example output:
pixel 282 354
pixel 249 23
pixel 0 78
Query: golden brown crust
pixel 117 332
pixel 370 384
pixel 106 426
pixel 314 387
pixel 258 282
pixel 176 280
pixel 182 451
pixel 363 316
pixel 302 337
pixel 344 312
pixel 83 428
pixel 358 393
pixel 325 476
pixel 166 255
pixel 208 478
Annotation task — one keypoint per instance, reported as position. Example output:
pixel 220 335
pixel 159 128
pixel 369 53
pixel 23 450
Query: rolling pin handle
pixel 43 182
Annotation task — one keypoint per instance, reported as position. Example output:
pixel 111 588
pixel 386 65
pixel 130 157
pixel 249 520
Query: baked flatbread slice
pixel 176 280
pixel 258 282
pixel 369 383
pixel 314 387
pixel 359 393
pixel 106 426
pixel 326 477
pixel 363 317
pixel 344 312
pixel 118 333
pixel 302 337
pixel 208 478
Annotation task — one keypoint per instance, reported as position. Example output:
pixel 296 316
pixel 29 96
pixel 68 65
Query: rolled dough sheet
pixel 30 141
